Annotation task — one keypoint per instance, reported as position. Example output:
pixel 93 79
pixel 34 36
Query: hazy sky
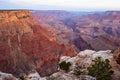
pixel 61 4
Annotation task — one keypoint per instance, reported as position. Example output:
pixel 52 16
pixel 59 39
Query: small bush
pixel 65 65
pixel 21 78
pixel 78 70
pixel 100 69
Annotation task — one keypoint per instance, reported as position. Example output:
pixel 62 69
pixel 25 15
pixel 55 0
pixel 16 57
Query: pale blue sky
pixel 61 4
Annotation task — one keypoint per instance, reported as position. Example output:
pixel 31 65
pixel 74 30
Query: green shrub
pixel 100 69
pixel 21 78
pixel 78 70
pixel 65 65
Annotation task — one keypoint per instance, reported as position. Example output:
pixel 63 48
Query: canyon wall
pixel 26 45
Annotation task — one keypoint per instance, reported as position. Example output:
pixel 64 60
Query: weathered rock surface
pixel 34 76
pixel 68 76
pixel 6 76
pixel 85 58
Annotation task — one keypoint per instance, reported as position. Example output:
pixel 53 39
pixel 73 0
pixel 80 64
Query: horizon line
pixel 62 10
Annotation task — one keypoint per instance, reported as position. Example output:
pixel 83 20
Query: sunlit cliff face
pixel 26 45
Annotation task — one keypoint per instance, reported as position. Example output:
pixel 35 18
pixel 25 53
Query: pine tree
pixel 100 69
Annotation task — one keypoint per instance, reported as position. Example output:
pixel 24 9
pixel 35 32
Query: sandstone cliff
pixel 27 45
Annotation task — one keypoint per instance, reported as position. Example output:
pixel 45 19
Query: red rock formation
pixel 26 45
pixel 92 29
pixel 56 20
pixel 117 55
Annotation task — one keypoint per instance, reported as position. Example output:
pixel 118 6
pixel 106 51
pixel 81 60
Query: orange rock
pixel 27 45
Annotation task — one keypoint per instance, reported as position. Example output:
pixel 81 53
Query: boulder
pixel 7 76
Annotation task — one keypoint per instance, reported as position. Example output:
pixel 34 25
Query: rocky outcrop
pixel 34 76
pixel 68 76
pixel 27 45
pixel 6 76
pixel 85 58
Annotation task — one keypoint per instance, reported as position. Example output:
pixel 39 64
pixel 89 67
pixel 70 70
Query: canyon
pixel 35 40
pixel 85 30
pixel 27 45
